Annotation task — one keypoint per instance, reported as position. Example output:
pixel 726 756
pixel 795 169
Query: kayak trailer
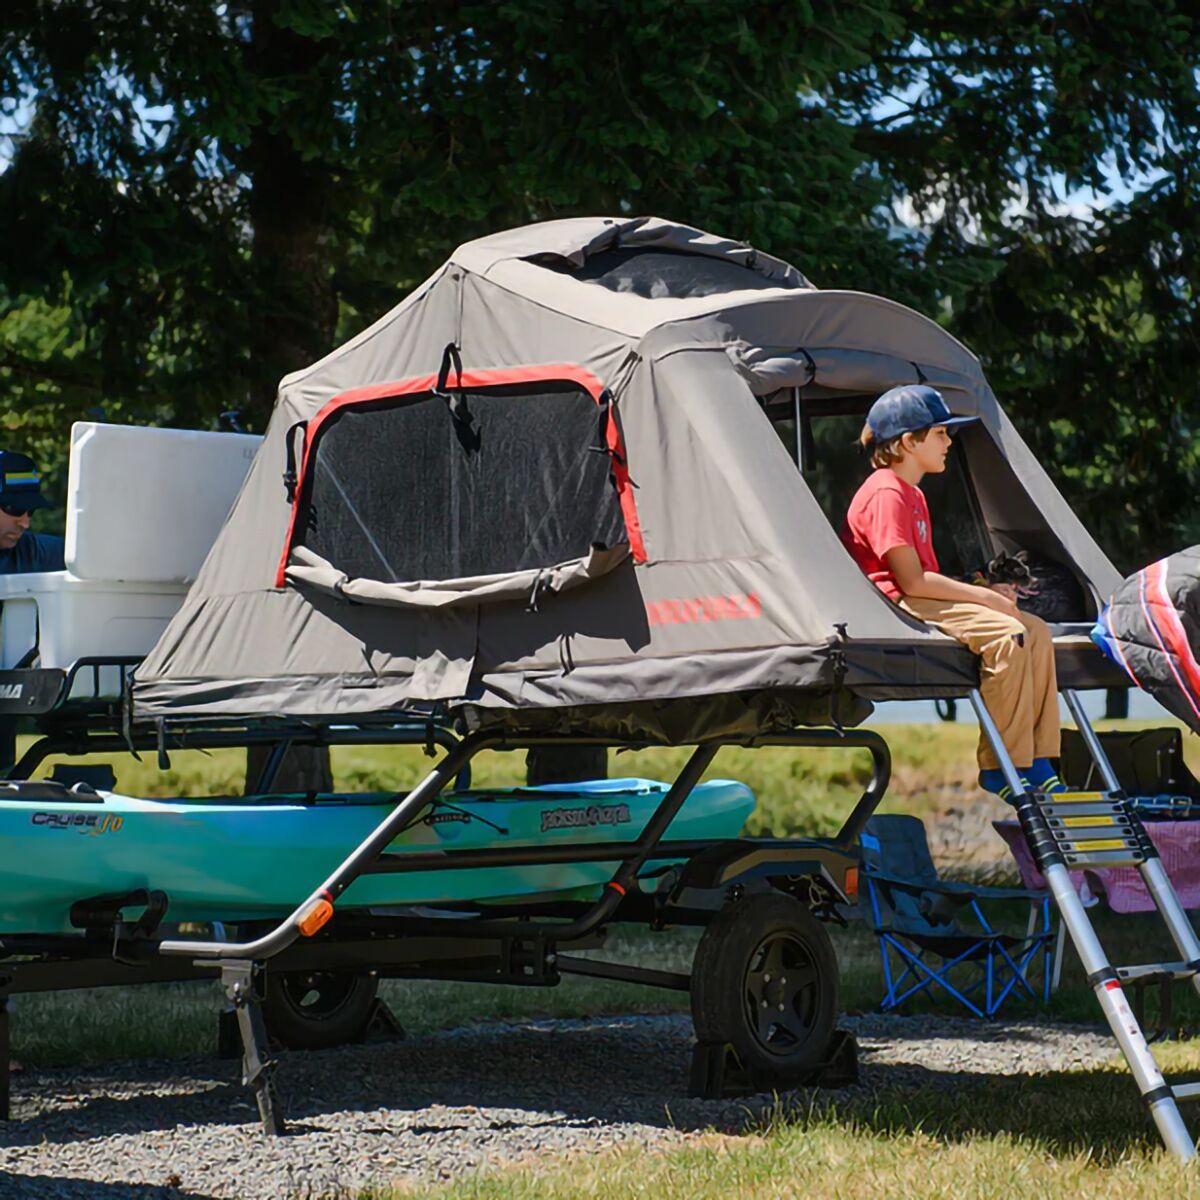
pixel 442 882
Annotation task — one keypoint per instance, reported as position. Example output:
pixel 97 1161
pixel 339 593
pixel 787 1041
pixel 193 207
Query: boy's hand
pixel 993 597
pixel 1007 590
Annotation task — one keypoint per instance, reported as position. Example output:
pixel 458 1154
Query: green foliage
pixel 200 197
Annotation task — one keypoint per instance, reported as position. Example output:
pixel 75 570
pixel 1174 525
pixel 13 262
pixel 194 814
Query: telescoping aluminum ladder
pixel 1071 830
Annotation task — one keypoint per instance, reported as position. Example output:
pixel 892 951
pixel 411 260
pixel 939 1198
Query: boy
pixel 888 532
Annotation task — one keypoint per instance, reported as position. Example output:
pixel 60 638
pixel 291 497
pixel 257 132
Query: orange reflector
pixel 850 884
pixel 313 917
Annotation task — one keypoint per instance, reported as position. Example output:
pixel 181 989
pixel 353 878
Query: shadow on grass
pixel 600 1071
pixel 1092 1112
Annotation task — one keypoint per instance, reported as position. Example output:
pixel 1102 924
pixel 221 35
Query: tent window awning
pixel 484 487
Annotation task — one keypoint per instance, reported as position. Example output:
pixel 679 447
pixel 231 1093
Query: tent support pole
pixel 410 808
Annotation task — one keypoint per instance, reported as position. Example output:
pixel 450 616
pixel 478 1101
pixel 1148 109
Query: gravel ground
pixel 436 1106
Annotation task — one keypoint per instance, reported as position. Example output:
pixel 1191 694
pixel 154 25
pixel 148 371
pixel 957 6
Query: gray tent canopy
pixel 558 486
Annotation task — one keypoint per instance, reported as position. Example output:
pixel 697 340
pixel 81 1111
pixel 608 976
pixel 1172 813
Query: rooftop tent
pixel 557 486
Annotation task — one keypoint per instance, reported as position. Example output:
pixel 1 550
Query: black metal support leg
pixel 237 978
pixel 5 1064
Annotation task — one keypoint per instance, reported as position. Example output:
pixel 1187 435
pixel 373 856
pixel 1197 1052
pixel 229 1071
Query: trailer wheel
pixel 313 1010
pixel 765 980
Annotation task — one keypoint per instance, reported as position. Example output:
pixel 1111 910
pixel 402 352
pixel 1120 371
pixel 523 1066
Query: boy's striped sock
pixel 992 780
pixel 1044 777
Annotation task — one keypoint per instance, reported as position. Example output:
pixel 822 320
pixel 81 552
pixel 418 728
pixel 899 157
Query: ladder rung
pixel 1096 833
pixel 1098 845
pixel 1103 858
pixel 1166 970
pixel 1083 812
pixel 1186 1091
pixel 1078 798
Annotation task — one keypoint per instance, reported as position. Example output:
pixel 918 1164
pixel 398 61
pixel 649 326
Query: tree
pixel 204 196
pixel 1086 321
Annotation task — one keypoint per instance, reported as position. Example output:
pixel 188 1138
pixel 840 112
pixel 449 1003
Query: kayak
pixel 236 859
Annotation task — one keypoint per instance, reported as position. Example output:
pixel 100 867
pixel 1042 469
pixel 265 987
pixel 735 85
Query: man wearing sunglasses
pixel 20 493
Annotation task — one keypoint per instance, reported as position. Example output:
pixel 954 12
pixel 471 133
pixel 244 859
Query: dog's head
pixel 1012 569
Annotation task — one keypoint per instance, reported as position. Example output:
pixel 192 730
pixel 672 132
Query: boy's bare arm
pixel 913 580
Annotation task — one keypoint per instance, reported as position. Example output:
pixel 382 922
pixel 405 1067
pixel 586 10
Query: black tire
pixel 765 980
pixel 313 1010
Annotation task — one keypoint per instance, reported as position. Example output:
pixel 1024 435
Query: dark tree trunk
pixel 565 764
pixel 304 769
pixel 294 314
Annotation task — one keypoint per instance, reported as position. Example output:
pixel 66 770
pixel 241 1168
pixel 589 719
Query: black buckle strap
pixel 289 474
pixel 456 400
pixel 450 357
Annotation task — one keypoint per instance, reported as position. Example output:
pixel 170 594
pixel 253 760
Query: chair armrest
pixel 999 893
pixel 961 892
pixel 976 891
pixel 935 903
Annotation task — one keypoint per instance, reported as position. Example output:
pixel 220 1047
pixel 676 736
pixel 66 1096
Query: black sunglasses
pixel 12 510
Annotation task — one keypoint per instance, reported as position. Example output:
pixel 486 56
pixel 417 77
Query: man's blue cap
pixel 20 482
pixel 909 409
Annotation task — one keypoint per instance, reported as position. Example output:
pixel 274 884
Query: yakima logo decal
pixel 582 818
pixel 11 691
pixel 704 608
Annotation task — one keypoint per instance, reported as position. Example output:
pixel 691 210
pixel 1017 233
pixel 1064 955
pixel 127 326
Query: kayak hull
pixel 230 861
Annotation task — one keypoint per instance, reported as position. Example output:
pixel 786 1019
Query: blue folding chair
pixel 916 916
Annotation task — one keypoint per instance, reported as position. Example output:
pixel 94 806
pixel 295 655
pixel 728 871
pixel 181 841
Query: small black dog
pixel 1008 568
pixel 1045 588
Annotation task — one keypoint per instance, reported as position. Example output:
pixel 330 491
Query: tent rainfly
pixel 1151 628
pixel 587 478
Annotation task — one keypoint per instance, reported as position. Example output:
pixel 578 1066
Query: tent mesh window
pixel 663 274
pixel 839 467
pixel 501 480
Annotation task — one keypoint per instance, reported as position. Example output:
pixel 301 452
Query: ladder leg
pixel 1154 875
pixel 1115 1006
pixel 1156 1094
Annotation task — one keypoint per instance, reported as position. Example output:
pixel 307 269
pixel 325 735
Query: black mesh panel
pixel 401 491
pixel 663 274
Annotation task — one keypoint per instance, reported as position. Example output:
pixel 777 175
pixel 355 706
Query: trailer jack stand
pixel 238 980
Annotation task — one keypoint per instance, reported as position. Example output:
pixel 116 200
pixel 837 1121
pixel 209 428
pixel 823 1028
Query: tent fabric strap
pixel 306 569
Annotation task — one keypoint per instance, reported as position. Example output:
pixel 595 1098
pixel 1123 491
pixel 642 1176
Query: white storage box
pixel 147 504
pixel 53 619
pixel 144 507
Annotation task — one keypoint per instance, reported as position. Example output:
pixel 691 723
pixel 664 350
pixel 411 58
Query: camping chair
pixel 916 918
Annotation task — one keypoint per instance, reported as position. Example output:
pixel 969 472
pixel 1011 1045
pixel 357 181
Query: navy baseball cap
pixel 20 482
pixel 909 409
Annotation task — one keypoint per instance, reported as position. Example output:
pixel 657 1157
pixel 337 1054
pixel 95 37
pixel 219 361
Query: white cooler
pixel 144 507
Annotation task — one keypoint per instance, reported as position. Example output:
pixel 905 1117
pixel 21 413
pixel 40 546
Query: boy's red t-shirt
pixel 885 513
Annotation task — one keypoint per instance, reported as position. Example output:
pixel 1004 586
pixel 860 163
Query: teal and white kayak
pixel 234 860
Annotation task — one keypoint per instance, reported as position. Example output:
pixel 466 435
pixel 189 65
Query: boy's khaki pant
pixel 1017 676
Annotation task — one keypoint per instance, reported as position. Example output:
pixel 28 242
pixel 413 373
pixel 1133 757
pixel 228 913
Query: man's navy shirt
pixel 34 552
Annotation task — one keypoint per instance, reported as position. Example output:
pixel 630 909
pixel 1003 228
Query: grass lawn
pixel 1059 1137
